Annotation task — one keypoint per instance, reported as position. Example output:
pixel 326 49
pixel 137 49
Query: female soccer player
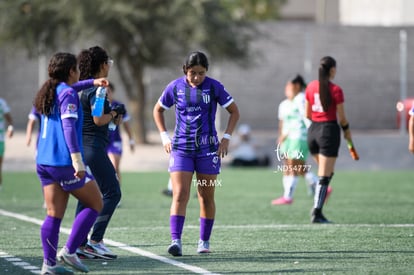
pixel 291 143
pixel 195 146
pixel 95 62
pixel 324 106
pixel 114 148
pixel 59 162
pixel 32 118
pixel 5 118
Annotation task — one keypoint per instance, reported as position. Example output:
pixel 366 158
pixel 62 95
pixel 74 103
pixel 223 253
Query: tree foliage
pixel 138 34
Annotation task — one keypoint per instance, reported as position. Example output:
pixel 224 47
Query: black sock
pixel 321 191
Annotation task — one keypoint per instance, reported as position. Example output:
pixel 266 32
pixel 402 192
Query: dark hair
pixel 194 59
pixel 111 86
pixel 59 70
pixel 325 66
pixel 90 61
pixel 298 79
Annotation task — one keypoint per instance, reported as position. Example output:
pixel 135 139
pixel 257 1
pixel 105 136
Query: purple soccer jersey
pixel 195 132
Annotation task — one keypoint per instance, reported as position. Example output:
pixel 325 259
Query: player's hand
pixel 80 174
pixel 347 135
pixel 411 146
pixel 281 139
pixel 166 141
pixel 10 131
pixel 101 82
pixel 168 147
pixel 78 165
pixel 132 145
pixel 118 120
pixel 223 148
pixel 119 109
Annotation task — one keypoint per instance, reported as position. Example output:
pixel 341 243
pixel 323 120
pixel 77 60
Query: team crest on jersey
pixel 206 98
pixel 71 108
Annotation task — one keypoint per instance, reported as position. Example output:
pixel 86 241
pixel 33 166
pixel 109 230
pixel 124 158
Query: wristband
pixel 131 142
pixel 10 128
pixel 227 136
pixel 345 127
pixel 165 138
pixel 77 162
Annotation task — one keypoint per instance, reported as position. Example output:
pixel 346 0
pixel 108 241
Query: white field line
pixel 276 226
pixel 19 263
pixel 191 268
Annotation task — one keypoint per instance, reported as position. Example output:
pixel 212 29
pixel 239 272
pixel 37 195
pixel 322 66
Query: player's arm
pixel 68 125
pixel 130 137
pixel 343 122
pixel 104 118
pixel 308 110
pixel 10 128
pixel 29 130
pixel 233 110
pixel 280 135
pixel 158 114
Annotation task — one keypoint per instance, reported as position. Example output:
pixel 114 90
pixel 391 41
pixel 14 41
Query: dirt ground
pixel 379 150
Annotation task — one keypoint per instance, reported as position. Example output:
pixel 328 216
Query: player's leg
pixel 206 184
pixel 90 196
pixel 289 182
pixel 181 185
pixel 115 158
pixel 107 180
pixel 116 161
pixel 1 163
pixel 56 200
pixel 168 191
pixel 329 142
pixel 207 170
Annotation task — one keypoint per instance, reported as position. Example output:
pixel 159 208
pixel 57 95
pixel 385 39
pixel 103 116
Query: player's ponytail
pixel 90 62
pixel 59 69
pixel 326 64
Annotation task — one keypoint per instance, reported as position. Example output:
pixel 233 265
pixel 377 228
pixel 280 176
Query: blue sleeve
pixel 69 131
pixel 82 85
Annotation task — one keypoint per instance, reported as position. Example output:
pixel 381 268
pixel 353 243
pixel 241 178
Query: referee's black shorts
pixel 324 138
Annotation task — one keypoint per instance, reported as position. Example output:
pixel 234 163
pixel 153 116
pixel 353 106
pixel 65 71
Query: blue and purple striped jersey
pixel 195 108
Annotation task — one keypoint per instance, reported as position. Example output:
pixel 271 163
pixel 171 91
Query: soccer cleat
pixel 167 192
pixel 55 270
pixel 203 246
pixel 175 248
pixel 318 217
pixel 71 260
pixel 282 201
pixel 99 250
pixel 84 255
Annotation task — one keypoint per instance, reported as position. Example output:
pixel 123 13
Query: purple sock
pixel 80 228
pixel 176 226
pixel 49 234
pixel 206 226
